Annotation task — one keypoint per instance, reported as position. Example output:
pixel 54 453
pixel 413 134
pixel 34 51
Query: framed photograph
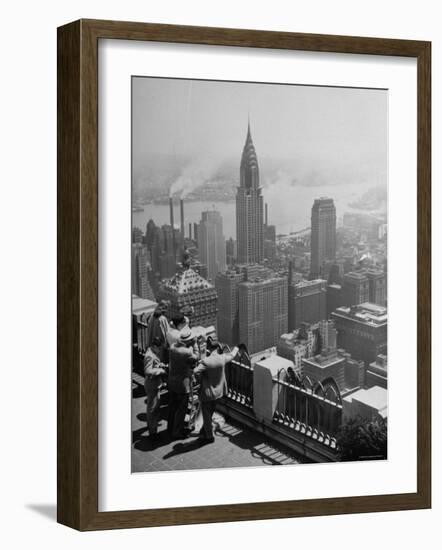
pixel 243 274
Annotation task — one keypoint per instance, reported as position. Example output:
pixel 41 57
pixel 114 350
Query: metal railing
pixel 301 409
pixel 239 377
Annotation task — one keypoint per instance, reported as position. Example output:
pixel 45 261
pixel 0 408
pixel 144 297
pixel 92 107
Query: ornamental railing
pixel 302 410
pixel 239 377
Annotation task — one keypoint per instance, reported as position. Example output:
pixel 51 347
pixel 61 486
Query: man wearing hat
pixel 183 357
pixel 213 384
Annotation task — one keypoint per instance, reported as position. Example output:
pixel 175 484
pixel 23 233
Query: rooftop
pixel 366 313
pixel 325 360
pixel 187 281
pixel 235 446
pixel 355 275
pixel 313 282
pixel 375 397
pixel 275 362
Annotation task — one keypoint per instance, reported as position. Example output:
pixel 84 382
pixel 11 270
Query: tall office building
pixel 362 330
pixel 211 242
pixel 231 251
pixel 334 298
pixel 140 272
pixel 137 235
pixel 307 302
pixel 249 207
pixel 269 238
pixel 262 312
pixel 377 286
pixel 323 235
pixel 167 256
pixel 356 288
pixel 226 285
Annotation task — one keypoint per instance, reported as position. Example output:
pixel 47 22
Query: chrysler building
pixel 249 208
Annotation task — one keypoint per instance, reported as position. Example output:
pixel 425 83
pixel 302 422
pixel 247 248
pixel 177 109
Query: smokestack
pixel 172 224
pixel 182 217
pixel 171 211
pixel 190 231
pixel 267 216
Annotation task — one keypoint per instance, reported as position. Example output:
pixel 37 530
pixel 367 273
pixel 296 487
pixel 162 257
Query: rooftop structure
pixel 377 372
pixel 370 404
pixel 366 313
pixel 188 290
pixel 142 309
pixel 141 306
pixel 362 330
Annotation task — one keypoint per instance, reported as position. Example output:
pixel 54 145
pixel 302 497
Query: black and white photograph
pixel 259 274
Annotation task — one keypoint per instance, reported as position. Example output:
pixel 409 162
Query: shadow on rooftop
pixel 181 448
pixel 249 440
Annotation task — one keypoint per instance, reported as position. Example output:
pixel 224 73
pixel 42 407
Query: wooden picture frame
pixel 77 226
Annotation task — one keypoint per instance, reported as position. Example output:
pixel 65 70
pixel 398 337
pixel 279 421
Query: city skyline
pixel 295 323
pixel 300 131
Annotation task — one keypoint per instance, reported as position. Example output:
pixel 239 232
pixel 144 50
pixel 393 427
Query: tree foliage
pixel 361 439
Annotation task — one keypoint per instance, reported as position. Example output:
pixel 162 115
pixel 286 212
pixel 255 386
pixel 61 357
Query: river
pixel 289 208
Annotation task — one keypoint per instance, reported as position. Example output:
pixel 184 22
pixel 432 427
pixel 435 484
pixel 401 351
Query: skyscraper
pixel 226 285
pixel 211 243
pixel 362 330
pixel 377 281
pixel 356 288
pixel 141 271
pixel 262 312
pixel 249 207
pixel 323 236
pixel 307 302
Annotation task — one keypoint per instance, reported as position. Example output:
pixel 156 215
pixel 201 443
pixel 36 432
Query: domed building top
pixel 186 282
pixel 249 171
pixel 188 290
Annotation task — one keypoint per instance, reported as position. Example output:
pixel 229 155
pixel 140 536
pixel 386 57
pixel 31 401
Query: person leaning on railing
pixel 211 369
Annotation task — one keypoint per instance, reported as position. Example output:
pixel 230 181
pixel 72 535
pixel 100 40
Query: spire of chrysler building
pixel 249 207
pixel 249 171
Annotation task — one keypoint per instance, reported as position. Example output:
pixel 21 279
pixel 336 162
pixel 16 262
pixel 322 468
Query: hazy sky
pixel 325 128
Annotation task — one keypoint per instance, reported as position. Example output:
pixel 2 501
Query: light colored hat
pixel 186 335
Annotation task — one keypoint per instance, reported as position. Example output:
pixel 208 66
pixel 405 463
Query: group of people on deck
pixel 177 355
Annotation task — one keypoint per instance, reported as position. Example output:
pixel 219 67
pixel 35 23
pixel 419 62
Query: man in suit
pixel 153 372
pixel 213 385
pixel 183 357
pixel 158 327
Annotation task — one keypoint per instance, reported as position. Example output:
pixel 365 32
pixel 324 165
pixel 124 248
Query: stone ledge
pixel 299 443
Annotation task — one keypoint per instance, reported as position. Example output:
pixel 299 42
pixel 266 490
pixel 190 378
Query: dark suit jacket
pixel 181 363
